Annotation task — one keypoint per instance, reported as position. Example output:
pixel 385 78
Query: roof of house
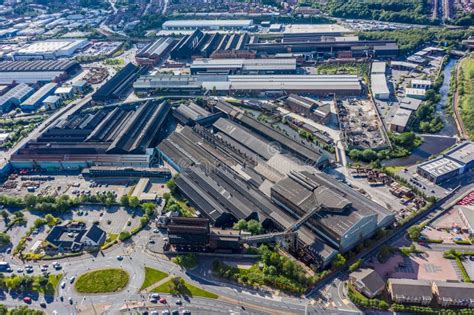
pixel 410 287
pixel 370 278
pixel 455 290
pixel 95 233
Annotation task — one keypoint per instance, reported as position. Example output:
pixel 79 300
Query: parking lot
pixel 468 264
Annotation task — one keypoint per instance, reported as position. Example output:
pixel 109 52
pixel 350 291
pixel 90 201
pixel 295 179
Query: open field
pixel 466 94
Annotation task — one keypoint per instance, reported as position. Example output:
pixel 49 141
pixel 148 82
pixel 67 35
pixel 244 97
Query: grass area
pixel 110 240
pixel 465 275
pixel 186 289
pixel 466 94
pixel 395 169
pixel 102 281
pixel 50 288
pixel 152 276
pixel 39 284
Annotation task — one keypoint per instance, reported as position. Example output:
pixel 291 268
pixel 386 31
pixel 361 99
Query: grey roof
pixel 401 117
pixel 95 233
pixel 205 23
pixel 463 153
pixel 379 67
pixel 455 290
pixel 244 137
pixel 156 48
pixel 17 93
pixel 42 93
pixel 440 166
pixel 370 278
pixel 37 65
pixel 410 288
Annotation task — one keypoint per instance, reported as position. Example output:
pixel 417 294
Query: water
pixel 449 128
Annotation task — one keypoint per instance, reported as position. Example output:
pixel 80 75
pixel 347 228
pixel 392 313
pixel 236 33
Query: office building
pixel 410 291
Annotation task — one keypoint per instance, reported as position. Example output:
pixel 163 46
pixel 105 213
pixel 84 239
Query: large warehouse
pixel 155 52
pixel 15 96
pixel 122 136
pixel 178 25
pixel 456 161
pixel 35 100
pixel 37 71
pixel 244 66
pixel 251 84
pixel 50 49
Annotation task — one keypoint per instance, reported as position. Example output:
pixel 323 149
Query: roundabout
pixel 102 281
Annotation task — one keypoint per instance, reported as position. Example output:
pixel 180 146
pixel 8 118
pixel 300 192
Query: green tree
pixel 134 202
pixel 4 239
pixel 124 235
pixel 254 227
pixel 124 200
pixel 414 232
pixel 338 261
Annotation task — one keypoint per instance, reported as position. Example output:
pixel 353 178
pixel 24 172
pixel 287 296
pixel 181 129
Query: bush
pixel 186 261
pixel 355 265
pixel 124 235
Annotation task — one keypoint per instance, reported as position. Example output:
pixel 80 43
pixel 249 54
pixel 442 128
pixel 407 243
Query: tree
pixel 414 232
pixel 241 225
pixel 5 215
pixel 134 202
pixel 254 227
pixel 338 261
pixel 124 201
pixel 124 235
pixel 4 239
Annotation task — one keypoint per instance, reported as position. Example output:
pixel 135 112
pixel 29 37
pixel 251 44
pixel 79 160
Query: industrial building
pixel 36 100
pixel 15 96
pixel 400 120
pixel 37 71
pixel 50 49
pixel 196 234
pixel 421 84
pixel 456 161
pixel 415 93
pixel 177 25
pixel 122 136
pixel 322 45
pixel 244 66
pixel 323 85
pixel 378 81
pixel 117 86
pixel 236 170
pixel 342 216
pixel 191 114
pixel 128 172
pixel 308 107
pixel 155 52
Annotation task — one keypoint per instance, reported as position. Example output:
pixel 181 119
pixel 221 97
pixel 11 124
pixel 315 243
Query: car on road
pixel 63 285
pixel 156 231
pixel 70 300
pixel 27 299
pixel 186 312
pixel 179 302
pixel 163 301
pixel 155 296
pixel 19 270
pixel 57 265
pixel 175 312
pixel 71 280
pixel 43 304
pixel 61 298
pixel 165 312
pixel 119 257
pixel 152 241
pixel 154 313
pixel 153 300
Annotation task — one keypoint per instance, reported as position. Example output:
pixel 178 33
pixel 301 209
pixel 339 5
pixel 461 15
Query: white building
pixel 50 49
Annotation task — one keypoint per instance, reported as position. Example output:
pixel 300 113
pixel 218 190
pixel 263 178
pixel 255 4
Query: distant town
pixel 236 157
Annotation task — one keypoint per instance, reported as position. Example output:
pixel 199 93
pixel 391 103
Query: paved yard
pixel 428 266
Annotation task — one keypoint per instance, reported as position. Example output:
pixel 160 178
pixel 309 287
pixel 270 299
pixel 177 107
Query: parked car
pixel 27 299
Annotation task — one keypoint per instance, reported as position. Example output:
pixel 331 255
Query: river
pixel 449 128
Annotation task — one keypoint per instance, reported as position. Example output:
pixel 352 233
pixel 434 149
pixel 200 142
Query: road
pixel 231 298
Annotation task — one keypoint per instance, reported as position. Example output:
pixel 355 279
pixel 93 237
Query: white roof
pixel 440 166
pixel 379 85
pixel 63 90
pixel 415 92
pixel 51 46
pixel 207 23
pixel 379 67
pixel 420 82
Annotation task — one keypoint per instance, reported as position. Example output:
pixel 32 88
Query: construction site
pixel 360 124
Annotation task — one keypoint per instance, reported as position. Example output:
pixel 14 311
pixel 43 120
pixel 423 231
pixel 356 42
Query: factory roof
pixel 405 64
pixel 463 153
pixel 239 134
pixel 415 92
pixel 379 67
pixel 37 65
pixel 206 23
pixel 156 48
pixel 42 93
pixel 378 83
pixel 18 92
pixel 246 64
pixel 401 117
pixel 440 166
pixel 421 82
pixel 52 46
